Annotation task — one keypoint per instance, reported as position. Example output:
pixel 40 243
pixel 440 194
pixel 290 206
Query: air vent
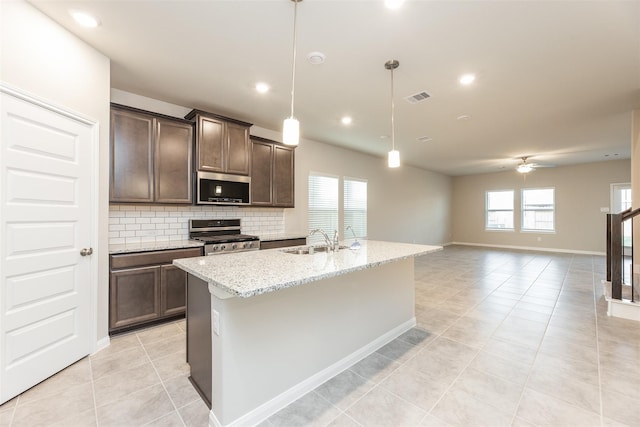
pixel 417 97
pixel 424 138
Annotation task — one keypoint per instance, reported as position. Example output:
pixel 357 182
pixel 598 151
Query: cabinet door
pixel 173 154
pixel 131 145
pixel 283 177
pixel 210 144
pixel 173 286
pixel 134 296
pixel 261 173
pixel 237 149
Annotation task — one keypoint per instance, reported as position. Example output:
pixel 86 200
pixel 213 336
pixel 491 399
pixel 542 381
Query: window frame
pixel 524 229
pixel 487 211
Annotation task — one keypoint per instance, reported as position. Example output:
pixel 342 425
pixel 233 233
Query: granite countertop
pixel 247 274
pixel 281 236
pixel 153 246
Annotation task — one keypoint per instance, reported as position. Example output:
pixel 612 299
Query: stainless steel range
pixel 222 236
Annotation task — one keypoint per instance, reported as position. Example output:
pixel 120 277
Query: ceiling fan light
pixel 524 168
pixel 394 159
pixel 291 131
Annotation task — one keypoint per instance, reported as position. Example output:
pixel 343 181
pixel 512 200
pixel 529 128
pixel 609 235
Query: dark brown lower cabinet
pixel 135 296
pixel 144 287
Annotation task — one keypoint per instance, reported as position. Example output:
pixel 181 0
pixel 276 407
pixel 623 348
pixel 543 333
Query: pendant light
pixel 394 155
pixel 291 126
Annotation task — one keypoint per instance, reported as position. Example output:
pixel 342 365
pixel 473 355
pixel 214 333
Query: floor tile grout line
pixel 13 410
pixel 161 383
pixel 93 389
pixel 535 357
pixel 484 345
pixel 595 309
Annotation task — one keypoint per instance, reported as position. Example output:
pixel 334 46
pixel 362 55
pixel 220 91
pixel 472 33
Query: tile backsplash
pixel 148 223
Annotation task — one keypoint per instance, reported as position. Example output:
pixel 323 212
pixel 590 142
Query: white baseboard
pixel 531 248
pixel 279 402
pixel 624 309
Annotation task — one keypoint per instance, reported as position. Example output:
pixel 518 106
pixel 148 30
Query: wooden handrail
pixel 628 214
pixel 615 253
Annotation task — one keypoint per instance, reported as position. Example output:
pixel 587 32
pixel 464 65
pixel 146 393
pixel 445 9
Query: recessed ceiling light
pixel 424 138
pixel 463 117
pixel 393 4
pixel 467 79
pixel 84 19
pixel 346 120
pixel 316 58
pixel 262 87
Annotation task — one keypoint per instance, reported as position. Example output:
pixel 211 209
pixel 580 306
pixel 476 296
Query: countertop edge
pixel 309 279
pixel 124 248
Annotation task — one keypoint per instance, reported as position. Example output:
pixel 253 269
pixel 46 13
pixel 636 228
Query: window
pixel 323 205
pixel 355 208
pixel 499 210
pixel 538 209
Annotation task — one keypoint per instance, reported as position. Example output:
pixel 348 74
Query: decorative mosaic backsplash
pixel 145 223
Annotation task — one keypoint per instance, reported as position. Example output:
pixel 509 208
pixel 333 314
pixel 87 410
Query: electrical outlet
pixel 216 322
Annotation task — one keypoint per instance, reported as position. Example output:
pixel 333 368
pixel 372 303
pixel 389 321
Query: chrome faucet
pixel 326 238
pixel 336 243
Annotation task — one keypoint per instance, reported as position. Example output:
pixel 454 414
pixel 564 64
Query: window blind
pixel 323 205
pixel 355 208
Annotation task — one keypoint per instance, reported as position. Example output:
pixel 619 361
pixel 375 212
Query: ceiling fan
pixel 526 167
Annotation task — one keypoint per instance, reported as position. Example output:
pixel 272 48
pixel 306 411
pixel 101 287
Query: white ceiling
pixel 556 80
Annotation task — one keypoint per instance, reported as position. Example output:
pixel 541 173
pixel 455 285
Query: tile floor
pixel 503 338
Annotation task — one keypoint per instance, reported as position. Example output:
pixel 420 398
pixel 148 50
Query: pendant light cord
pixel 393 126
pixel 293 67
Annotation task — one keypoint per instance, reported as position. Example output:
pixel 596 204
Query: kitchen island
pixel 280 324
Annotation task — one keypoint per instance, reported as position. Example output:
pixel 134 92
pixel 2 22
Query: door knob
pixel 86 252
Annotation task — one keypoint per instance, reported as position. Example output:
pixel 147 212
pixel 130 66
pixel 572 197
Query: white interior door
pixel 45 220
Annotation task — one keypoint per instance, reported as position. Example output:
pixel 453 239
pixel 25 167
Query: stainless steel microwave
pixel 222 189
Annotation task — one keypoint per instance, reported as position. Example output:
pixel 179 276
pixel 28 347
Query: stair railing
pixel 615 250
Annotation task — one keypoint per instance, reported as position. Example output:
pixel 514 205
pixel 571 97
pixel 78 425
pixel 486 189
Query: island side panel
pixel 272 342
pixel 199 336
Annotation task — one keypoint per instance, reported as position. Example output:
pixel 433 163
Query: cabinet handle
pixel 86 252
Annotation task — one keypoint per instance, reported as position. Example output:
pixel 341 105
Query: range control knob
pixel 247 245
pixel 223 247
pixel 215 248
pixel 234 246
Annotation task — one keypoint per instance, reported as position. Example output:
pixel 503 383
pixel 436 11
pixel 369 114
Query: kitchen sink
pixel 306 250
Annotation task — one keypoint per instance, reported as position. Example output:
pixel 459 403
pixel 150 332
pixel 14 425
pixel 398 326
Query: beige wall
pixel 580 192
pixel 405 205
pixel 41 58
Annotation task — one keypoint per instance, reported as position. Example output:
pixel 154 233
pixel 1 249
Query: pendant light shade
pixel 394 159
pixel 291 131
pixel 291 126
pixel 394 155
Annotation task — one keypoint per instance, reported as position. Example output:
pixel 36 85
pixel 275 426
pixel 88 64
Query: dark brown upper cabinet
pixel 222 144
pixel 151 157
pixel 272 173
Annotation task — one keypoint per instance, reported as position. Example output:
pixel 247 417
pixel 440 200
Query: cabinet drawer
pixel 152 258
